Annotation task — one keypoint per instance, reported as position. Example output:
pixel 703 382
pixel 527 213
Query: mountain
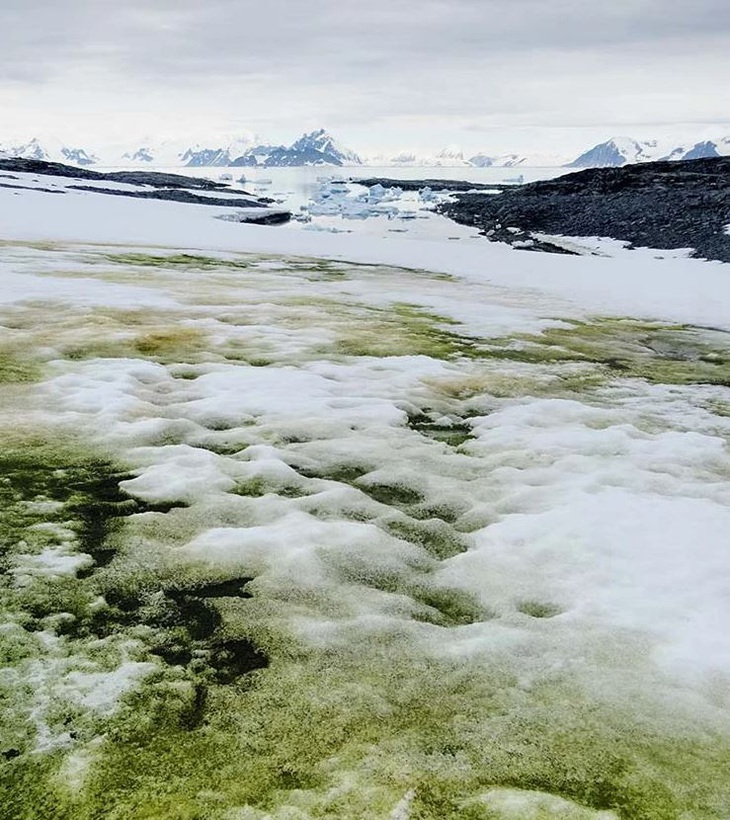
pixel 206 157
pixel 624 150
pixel 481 161
pixel 319 148
pixel 141 155
pixel 709 148
pixel 449 157
pixel 615 152
pixel 323 143
pixel 452 156
pixel 170 153
pixel 166 154
pixel 315 148
pixel 222 155
pixel 49 150
pixel 257 155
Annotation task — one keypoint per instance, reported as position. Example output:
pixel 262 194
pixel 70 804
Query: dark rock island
pixel 665 205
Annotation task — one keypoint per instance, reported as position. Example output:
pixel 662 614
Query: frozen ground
pixel 299 525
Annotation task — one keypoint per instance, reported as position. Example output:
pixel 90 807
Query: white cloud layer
pixel 386 74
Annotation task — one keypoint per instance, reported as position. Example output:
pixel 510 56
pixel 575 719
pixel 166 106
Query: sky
pixel 382 75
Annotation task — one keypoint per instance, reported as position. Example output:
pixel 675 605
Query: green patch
pixel 342 473
pixel 179 260
pixel 174 345
pixel 435 536
pixel 349 736
pixel 276 697
pixel 537 609
pixel 393 494
pixel 449 607
pixel 659 353
pixel 258 487
pixel 47 482
pixel 454 434
pixel 403 330
pixel 719 407
pixel 321 272
pixel 231 721
pixel 16 367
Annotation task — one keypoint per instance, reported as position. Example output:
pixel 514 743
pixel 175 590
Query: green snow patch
pixel 232 715
pixel 348 735
pixel 17 367
pixel 178 260
pixel 660 353
pixel 403 330
pixel 140 682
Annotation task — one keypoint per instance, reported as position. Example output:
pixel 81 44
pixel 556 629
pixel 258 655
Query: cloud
pixel 271 61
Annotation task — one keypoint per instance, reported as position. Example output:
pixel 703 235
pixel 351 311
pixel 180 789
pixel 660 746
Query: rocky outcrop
pixel 57 169
pixel 148 185
pixel 433 184
pixel 665 205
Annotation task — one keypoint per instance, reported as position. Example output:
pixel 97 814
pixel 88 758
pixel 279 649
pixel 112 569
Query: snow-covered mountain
pixel 323 143
pixel 615 152
pixel 315 148
pixel 319 148
pixel 450 157
pixel 625 150
pixel 709 148
pixel 48 150
pixel 516 160
pixel 172 153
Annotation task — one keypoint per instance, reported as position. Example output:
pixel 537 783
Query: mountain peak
pixel 322 141
pixel 612 153
pixel 314 148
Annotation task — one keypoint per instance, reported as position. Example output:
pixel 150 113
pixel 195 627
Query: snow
pixel 513 804
pixel 609 509
pixel 672 289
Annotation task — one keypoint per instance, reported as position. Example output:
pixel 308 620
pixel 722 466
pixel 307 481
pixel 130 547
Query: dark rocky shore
pixel 157 180
pixel 664 205
pixel 434 184
pixel 153 185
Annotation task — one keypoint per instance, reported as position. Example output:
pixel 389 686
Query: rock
pixel 161 186
pixel 432 184
pixel 664 205
pixel 57 169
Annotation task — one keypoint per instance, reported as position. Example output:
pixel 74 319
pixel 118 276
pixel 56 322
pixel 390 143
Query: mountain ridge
pixel 320 148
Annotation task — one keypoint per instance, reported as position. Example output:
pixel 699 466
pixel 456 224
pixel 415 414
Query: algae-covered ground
pixel 293 538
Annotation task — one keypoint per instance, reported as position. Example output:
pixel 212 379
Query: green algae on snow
pixel 221 728
pixel 238 716
pixel 402 330
pixel 171 345
pixel 177 260
pixel 17 367
pixel 612 347
pixel 628 348
pixel 347 736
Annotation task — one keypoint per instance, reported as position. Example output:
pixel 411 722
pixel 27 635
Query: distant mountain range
pixel 624 150
pixel 50 151
pixel 315 148
pixel 320 148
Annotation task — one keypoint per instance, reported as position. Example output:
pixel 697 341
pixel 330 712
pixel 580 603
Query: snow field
pixel 477 534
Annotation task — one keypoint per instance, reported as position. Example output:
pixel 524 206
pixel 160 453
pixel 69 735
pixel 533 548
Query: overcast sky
pixel 380 74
